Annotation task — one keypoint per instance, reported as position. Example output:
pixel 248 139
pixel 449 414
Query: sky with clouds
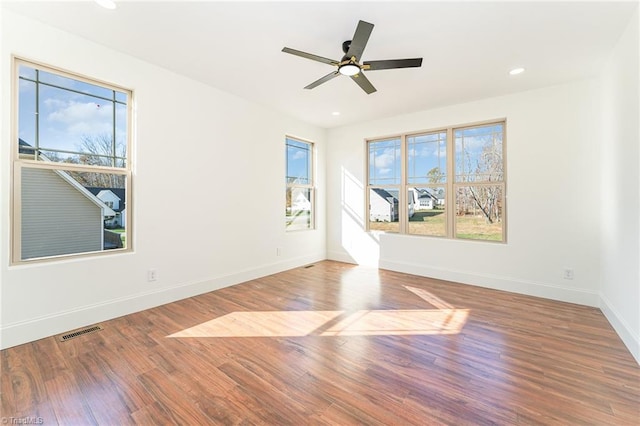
pixel 62 118
pixel 299 158
pixel 429 151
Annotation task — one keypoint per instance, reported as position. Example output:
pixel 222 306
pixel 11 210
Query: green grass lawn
pixel 432 222
pixel 428 222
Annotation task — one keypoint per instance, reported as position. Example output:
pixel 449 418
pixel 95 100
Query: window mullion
pixel 403 190
pixel 113 140
pixel 450 206
pixel 36 153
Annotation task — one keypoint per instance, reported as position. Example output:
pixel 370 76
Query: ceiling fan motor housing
pixel 345 47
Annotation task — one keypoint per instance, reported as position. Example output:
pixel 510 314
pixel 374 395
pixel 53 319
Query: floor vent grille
pixel 80 332
pixel 309 266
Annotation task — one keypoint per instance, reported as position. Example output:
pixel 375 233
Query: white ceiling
pixel 468 47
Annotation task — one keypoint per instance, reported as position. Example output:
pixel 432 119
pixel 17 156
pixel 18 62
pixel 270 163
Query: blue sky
pixel 425 153
pixel 428 151
pixel 384 162
pixel 299 161
pixel 65 117
pixel 471 143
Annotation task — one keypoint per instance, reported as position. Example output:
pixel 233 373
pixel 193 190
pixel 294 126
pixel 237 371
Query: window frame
pixel 18 164
pixel 407 184
pixel 395 186
pixel 449 184
pixel 310 186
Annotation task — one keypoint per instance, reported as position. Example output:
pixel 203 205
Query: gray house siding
pixel 56 218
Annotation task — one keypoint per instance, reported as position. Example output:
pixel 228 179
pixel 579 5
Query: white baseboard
pixel 340 256
pixel 515 285
pixel 621 327
pixel 17 333
pixel 530 288
pixel 37 328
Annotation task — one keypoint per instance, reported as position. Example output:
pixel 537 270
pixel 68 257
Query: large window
pixel 300 205
pixel 72 172
pixel 443 183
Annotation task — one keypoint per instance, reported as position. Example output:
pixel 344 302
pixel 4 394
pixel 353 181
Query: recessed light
pixel 516 71
pixel 107 4
pixel 335 113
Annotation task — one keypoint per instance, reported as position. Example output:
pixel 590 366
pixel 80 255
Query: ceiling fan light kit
pixel 350 65
pixel 349 69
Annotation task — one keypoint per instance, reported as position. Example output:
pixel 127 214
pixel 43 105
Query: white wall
pixel 620 157
pixel 553 182
pixel 565 145
pixel 198 152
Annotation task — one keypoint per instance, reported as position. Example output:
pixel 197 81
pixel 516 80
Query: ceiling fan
pixel 350 64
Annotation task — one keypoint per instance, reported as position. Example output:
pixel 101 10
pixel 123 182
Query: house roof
pixel 384 194
pixel 118 192
pixel 427 194
pixel 431 193
pixel 26 148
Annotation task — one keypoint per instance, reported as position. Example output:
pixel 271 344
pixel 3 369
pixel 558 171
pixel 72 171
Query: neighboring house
pixel 58 215
pixel 426 200
pixel 429 199
pixel 412 200
pixel 24 148
pixel 301 202
pixel 114 198
pixel 383 206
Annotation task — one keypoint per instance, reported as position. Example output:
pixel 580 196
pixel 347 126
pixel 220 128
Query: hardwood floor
pixel 333 344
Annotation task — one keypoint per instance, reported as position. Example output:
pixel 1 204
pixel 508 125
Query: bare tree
pixel 100 150
pixel 488 168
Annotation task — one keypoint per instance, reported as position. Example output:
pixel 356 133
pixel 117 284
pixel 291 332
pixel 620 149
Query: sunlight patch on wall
pixel 363 247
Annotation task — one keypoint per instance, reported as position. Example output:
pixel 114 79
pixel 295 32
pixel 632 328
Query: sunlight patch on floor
pixel 429 297
pixel 327 323
pixel 261 324
pixel 401 322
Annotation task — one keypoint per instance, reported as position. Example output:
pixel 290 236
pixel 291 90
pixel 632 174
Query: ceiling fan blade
pixel 364 83
pixel 323 80
pixel 360 39
pixel 393 63
pixel 310 56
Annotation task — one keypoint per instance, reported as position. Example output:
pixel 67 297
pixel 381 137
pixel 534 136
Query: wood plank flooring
pixel 333 344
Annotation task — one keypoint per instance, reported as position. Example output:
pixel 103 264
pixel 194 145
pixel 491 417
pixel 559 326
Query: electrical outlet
pixel 152 275
pixel 278 251
pixel 567 274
